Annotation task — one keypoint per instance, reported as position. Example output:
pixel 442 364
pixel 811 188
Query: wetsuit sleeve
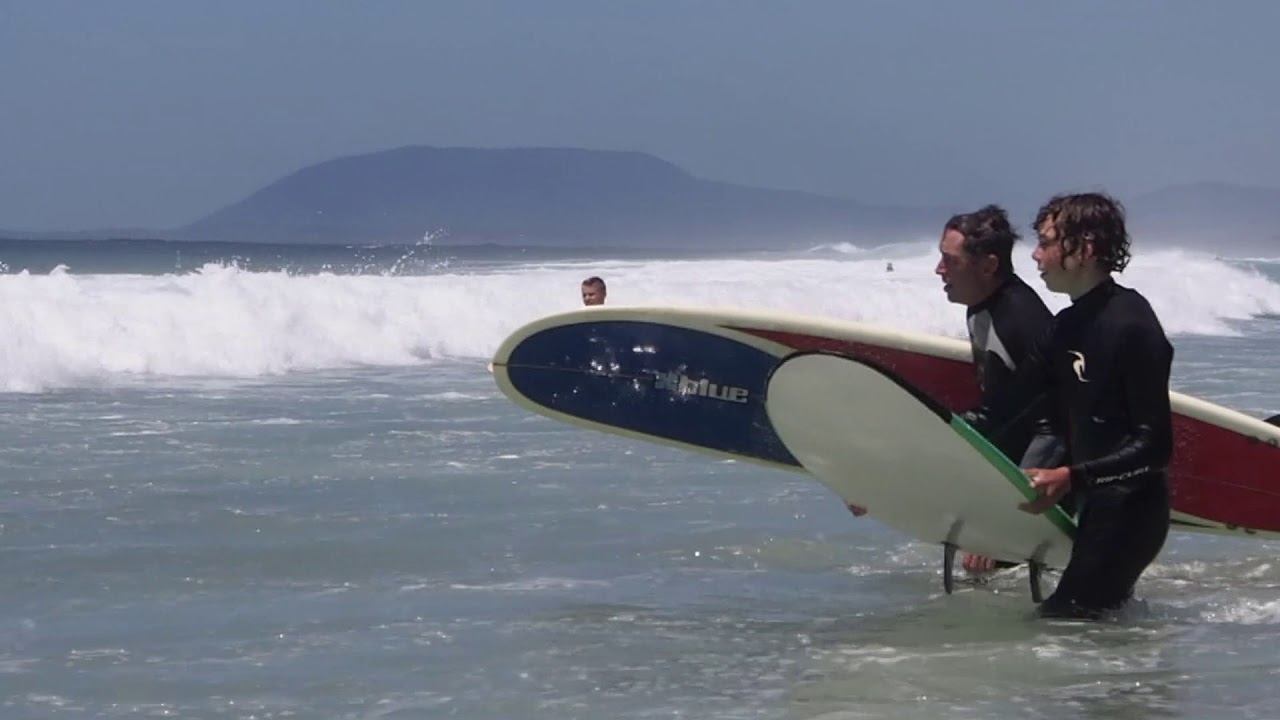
pixel 1020 326
pixel 1023 324
pixel 1144 364
pixel 1023 394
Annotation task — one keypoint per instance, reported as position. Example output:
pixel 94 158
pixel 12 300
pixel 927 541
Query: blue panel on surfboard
pixel 670 382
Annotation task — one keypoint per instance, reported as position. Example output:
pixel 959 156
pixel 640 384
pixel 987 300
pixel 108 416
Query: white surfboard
pixel 911 463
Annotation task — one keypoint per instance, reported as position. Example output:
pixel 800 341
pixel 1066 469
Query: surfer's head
pixel 977 251
pixel 593 291
pixel 1082 238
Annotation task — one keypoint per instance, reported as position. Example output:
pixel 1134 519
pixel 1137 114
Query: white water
pixel 65 330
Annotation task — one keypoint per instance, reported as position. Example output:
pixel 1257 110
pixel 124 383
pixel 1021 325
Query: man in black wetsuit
pixel 1105 366
pixel 1006 318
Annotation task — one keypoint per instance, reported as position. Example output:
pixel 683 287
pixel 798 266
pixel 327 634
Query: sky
pixel 153 113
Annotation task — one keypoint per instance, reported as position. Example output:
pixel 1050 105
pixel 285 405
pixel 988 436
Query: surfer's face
pixel 1056 269
pixel 966 279
pixel 592 294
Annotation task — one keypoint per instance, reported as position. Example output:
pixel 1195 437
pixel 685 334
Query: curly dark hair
pixel 1095 218
pixel 987 232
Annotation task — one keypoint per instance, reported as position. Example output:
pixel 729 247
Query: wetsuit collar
pixel 995 295
pixel 1097 295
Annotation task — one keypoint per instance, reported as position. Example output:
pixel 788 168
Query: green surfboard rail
pixel 1011 472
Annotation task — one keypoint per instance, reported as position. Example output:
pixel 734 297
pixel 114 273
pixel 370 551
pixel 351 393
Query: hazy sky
pixel 154 112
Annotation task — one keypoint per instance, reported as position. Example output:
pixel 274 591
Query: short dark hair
pixel 1095 218
pixel 987 232
pixel 593 280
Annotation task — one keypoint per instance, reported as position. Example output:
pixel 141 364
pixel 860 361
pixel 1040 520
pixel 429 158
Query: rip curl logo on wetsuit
pixel 681 384
pixel 1103 480
pixel 1078 365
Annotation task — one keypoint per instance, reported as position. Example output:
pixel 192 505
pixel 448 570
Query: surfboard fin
pixel 948 566
pixel 949 555
pixel 1036 595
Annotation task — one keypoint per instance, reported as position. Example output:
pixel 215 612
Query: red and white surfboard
pixel 696 378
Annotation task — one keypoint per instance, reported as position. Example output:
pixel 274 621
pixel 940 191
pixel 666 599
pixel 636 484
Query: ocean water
pixel 278 482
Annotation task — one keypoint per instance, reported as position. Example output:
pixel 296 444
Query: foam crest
pixel 1195 293
pixel 66 330
pixel 1246 612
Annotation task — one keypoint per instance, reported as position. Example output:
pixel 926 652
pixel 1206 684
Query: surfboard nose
pixel 670 384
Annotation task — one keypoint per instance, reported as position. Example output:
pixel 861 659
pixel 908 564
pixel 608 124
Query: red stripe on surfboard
pixel 1216 474
pixel 1221 475
pixel 950 382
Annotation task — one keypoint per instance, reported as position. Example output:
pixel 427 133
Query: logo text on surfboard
pixel 682 384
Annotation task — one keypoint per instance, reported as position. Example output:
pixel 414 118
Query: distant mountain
pixel 544 196
pixel 574 197
pixel 1209 216
pixel 105 234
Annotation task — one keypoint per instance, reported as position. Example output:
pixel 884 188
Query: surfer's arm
pixel 1023 393
pixel 1147 445
pixel 1025 328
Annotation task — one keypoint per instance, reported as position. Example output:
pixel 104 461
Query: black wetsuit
pixel 1106 366
pixel 1003 330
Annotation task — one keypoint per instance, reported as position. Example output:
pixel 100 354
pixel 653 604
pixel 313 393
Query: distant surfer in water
pixel 1005 318
pixel 593 291
pixel 1105 365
